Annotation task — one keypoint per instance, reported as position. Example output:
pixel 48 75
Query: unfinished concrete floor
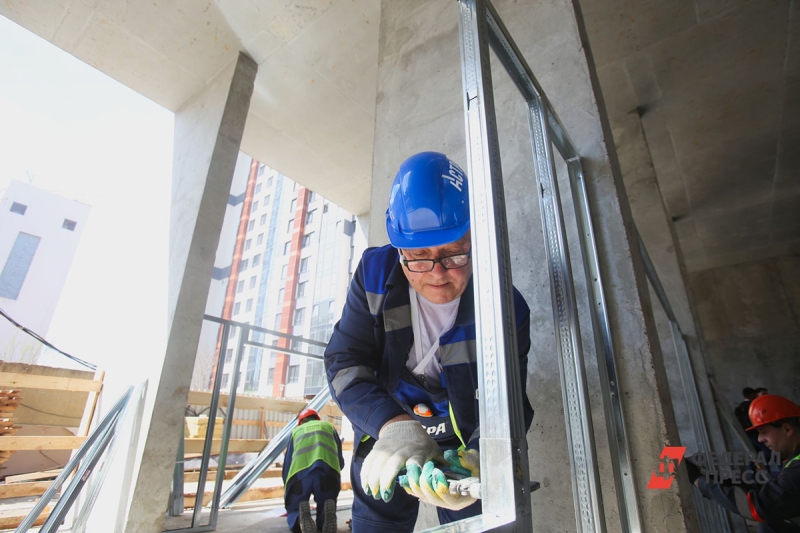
pixel 263 516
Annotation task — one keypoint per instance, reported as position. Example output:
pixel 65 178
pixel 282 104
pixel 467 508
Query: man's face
pixel 440 285
pixel 776 439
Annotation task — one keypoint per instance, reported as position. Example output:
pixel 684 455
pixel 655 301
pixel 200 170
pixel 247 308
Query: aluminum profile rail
pixel 84 466
pixel 547 131
pixel 504 450
pixel 712 517
pixel 253 470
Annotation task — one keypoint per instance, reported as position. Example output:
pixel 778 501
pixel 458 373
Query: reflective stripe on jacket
pixel 370 344
pixel 313 441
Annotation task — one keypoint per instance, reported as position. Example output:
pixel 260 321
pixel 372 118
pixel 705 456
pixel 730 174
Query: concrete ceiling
pixel 312 113
pixel 717 83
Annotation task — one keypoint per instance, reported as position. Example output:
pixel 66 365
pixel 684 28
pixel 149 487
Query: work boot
pixel 330 517
pixel 307 524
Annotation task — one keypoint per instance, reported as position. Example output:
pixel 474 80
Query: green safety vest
pixel 313 441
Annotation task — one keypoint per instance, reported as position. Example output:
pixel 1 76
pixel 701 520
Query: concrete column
pixel 658 234
pixel 419 107
pixel 208 132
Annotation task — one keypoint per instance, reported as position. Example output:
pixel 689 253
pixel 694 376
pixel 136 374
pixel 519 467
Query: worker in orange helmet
pixel 312 465
pixel 775 504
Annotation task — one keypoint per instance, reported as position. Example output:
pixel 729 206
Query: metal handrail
pixel 252 470
pixel 84 463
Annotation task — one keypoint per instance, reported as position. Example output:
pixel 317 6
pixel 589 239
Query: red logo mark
pixel 671 456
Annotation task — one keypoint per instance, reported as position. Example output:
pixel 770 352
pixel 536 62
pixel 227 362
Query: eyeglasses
pixel 450 262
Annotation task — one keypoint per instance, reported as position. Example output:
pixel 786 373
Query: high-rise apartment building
pixel 289 271
pixel 39 233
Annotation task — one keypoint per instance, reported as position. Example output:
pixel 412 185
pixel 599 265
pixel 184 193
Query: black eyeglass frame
pixel 433 262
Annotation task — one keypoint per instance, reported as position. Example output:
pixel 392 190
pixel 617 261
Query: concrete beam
pixel 208 133
pixel 419 107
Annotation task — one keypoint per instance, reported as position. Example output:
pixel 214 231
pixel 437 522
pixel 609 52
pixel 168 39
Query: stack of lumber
pixel 9 401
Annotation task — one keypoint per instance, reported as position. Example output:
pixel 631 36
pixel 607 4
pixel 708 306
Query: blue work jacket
pixel 369 349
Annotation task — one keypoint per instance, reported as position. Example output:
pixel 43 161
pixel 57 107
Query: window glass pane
pixel 247 244
pixel 69 224
pixel 269 182
pixel 258 185
pixel 299 316
pixel 301 289
pixel 249 306
pixel 236 307
pixel 261 169
pixel 243 265
pixel 255 206
pixel 240 286
pixel 293 205
pixel 251 225
pixel 290 227
pixel 263 220
pixel 270 376
pixel 17 265
pixel 284 271
pixel 286 247
pixel 277 321
pixel 280 295
pixel 18 208
pixel 292 374
pixel 304 264
pixel 253 282
pixel 266 200
pixel 256 259
pixel 310 216
pixel 260 239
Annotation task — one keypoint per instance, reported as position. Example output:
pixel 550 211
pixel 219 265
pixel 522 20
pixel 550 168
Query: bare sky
pixel 81 134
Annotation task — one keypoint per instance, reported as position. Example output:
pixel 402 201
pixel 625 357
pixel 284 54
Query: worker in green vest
pixel 312 466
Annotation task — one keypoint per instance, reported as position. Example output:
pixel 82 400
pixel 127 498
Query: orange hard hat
pixel 771 408
pixel 306 413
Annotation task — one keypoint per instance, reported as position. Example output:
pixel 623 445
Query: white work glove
pixel 430 485
pixel 399 445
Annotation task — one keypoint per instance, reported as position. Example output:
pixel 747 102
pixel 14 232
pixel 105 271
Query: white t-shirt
pixel 429 321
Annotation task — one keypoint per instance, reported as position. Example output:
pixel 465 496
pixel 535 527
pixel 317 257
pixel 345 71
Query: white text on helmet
pixel 454 177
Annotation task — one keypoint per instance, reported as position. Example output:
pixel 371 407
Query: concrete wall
pixel 419 107
pixel 750 313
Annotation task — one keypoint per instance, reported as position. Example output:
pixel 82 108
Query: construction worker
pixel 402 363
pixel 312 465
pixel 742 411
pixel 775 503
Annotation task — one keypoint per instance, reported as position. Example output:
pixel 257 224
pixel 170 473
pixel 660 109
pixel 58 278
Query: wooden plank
pixel 31 381
pixel 21 490
pixel 234 446
pixel 91 405
pixel 249 423
pixel 260 402
pixel 46 442
pixel 193 477
pixel 13 518
pixel 252 494
pixel 48 474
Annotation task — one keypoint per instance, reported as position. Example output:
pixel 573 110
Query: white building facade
pixel 283 264
pixel 39 234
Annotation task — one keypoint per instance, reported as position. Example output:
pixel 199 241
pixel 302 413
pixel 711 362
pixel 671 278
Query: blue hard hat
pixel 428 203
